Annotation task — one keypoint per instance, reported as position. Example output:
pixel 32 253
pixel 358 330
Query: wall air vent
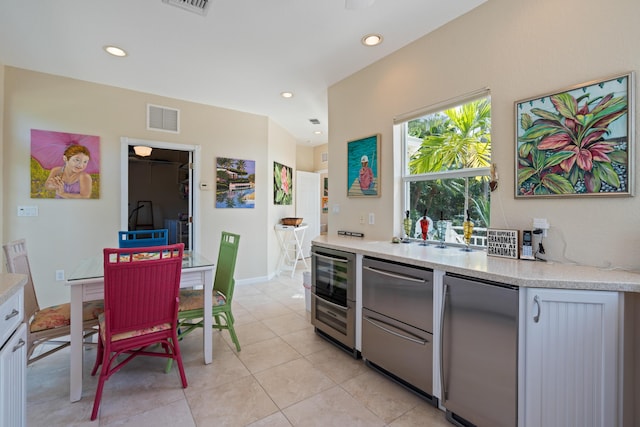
pixel 163 118
pixel 201 7
pixel 314 121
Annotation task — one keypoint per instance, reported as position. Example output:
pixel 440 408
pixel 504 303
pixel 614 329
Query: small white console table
pixel 290 238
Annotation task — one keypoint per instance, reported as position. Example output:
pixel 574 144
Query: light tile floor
pixel 285 375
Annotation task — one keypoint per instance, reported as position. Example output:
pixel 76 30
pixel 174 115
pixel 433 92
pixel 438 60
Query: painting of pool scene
pixel 363 161
pixel 235 183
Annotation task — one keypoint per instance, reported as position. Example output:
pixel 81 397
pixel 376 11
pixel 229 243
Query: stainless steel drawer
pixel 399 291
pixel 400 349
pixel 336 321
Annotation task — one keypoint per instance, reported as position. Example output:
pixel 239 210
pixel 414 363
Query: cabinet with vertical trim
pixel 571 358
pixel 13 362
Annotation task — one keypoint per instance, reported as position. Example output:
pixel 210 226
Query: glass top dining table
pixel 91 268
pixel 86 283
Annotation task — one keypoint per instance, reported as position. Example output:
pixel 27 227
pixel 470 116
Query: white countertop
pixel 10 284
pixel 535 274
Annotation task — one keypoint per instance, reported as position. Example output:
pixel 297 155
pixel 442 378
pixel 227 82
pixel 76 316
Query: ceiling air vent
pixel 314 121
pixel 201 7
pixel 163 118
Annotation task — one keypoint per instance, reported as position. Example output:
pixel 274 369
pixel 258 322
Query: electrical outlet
pixel 361 218
pixel 59 275
pixel 540 223
pixel 372 218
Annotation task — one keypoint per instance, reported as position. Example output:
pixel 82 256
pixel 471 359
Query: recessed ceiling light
pixel 318 132
pixel 372 40
pixel 286 94
pixel 115 51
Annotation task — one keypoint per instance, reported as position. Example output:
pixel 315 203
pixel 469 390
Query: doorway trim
pixel 194 208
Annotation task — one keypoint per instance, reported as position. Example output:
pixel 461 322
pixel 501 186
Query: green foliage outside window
pixel 456 139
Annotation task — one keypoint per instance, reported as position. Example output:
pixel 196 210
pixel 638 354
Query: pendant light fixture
pixel 142 150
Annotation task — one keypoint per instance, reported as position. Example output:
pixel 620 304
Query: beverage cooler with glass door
pixel 333 296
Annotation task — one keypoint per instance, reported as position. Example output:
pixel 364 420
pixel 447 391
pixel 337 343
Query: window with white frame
pixel 446 167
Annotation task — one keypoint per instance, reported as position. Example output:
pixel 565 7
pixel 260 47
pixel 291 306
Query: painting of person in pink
pixel 64 165
pixel 363 161
pixel 366 174
pixel 71 181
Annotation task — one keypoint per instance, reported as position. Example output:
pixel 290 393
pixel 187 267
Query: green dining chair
pixel 190 312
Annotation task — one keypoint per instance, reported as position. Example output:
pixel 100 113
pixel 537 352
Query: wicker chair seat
pixel 58 316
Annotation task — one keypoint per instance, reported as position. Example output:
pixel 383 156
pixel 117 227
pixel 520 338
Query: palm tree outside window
pixel 446 167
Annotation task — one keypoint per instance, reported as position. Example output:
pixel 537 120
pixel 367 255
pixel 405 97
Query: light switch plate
pixel 27 211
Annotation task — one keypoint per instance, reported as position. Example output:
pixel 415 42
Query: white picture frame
pixel 503 243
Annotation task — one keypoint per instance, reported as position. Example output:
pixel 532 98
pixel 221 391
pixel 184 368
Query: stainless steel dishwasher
pixel 479 369
pixel 397 323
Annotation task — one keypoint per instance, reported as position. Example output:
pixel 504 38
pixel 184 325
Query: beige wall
pixel 318 164
pixel 284 152
pixel 518 49
pixel 309 159
pixel 68 230
pixel 304 159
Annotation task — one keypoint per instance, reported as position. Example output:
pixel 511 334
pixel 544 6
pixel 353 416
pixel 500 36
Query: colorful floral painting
pixel 282 184
pixel 578 142
pixel 64 165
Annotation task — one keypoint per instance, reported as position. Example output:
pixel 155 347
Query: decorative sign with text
pixel 502 243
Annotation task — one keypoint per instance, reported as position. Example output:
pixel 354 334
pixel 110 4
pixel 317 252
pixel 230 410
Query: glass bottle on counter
pixel 424 227
pixel 406 224
pixel 467 231
pixel 441 226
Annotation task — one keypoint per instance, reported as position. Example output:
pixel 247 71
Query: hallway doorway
pixel 157 189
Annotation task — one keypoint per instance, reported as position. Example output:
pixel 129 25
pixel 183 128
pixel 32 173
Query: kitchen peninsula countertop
pixel 533 274
pixel 10 284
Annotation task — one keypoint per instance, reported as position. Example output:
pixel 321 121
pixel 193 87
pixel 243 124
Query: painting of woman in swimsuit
pixel 64 165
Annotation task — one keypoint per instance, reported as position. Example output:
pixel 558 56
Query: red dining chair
pixel 141 299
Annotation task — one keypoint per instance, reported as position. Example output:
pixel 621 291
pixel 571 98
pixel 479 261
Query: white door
pixel 308 206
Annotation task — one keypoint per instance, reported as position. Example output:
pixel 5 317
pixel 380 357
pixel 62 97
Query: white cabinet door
pixel 13 380
pixel 571 358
